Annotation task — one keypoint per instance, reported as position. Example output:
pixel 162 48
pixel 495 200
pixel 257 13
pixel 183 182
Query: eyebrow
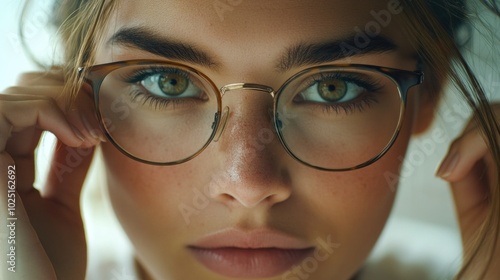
pixel 296 56
pixel 147 40
pixel 311 54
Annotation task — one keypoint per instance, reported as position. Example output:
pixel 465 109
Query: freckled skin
pixel 254 188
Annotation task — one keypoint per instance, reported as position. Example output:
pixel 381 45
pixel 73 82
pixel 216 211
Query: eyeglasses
pixel 333 118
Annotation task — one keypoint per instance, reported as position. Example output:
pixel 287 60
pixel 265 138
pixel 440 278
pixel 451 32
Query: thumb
pixel 67 173
pixel 21 240
pixel 60 227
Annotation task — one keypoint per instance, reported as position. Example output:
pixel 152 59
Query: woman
pixel 243 139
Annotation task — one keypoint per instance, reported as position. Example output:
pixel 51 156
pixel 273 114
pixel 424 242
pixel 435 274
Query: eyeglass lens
pixel 332 118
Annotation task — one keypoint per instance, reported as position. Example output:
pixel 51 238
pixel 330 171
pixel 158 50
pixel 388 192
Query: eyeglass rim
pixel 94 75
pixel 402 78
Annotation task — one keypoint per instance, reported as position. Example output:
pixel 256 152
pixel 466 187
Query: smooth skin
pixel 256 188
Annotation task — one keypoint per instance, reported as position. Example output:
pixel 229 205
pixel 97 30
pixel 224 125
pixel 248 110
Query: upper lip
pixel 250 239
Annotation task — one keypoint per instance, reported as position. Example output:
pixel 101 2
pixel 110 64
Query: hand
pixel 49 234
pixel 470 168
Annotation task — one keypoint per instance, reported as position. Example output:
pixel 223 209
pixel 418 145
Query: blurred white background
pixel 422 230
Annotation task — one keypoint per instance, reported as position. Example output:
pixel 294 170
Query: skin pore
pixel 256 188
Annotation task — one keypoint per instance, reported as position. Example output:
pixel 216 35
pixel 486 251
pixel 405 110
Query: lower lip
pixel 249 263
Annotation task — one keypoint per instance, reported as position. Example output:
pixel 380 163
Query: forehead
pixel 256 17
pixel 243 30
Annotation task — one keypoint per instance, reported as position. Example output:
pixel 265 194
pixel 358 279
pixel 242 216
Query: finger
pixel 67 174
pixel 466 167
pixel 26 115
pixel 54 76
pixel 43 113
pixel 81 115
pixel 464 152
pixel 19 118
pixel 21 93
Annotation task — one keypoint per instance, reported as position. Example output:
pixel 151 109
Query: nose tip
pixel 259 186
pixel 249 200
pixel 246 190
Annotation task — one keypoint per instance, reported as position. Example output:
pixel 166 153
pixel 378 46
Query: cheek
pixel 142 195
pixel 352 206
pixel 365 194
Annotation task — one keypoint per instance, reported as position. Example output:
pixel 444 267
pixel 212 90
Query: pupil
pixel 332 90
pixel 173 84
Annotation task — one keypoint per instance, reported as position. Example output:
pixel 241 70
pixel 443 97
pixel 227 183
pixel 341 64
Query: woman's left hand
pixel 470 169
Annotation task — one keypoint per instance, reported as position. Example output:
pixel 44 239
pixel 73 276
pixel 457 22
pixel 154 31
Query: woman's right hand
pixel 47 230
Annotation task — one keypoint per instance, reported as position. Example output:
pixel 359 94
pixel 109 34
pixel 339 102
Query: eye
pixel 331 90
pixel 171 85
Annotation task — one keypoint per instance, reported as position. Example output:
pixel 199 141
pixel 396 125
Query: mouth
pixel 250 254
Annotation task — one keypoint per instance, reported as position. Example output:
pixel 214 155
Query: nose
pixel 253 172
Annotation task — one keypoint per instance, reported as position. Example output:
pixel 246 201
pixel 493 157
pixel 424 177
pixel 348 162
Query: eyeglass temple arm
pixel 407 80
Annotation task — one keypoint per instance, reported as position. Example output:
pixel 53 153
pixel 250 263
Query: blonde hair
pixel 81 25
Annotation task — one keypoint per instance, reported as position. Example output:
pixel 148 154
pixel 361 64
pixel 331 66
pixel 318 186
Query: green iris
pixel 332 89
pixel 173 84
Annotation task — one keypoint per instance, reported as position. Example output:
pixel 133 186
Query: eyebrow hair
pixel 147 40
pixel 298 55
pixel 310 54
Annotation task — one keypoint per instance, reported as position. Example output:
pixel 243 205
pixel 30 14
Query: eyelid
pixel 142 73
pixel 348 77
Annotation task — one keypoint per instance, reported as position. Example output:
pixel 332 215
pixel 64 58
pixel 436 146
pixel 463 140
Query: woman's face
pixel 241 210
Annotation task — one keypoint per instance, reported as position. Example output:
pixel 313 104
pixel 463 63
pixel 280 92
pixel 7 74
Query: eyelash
pixel 153 101
pixel 348 107
pixel 141 74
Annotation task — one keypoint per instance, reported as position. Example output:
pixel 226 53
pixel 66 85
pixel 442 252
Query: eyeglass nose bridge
pixel 225 111
pixel 246 86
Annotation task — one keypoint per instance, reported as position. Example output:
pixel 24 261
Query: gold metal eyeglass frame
pixel 95 75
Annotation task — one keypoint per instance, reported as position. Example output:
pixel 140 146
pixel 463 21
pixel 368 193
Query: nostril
pixel 222 123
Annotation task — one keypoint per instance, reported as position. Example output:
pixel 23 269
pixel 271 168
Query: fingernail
pixel 101 135
pixel 78 133
pixel 91 131
pixel 448 165
pixel 97 135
